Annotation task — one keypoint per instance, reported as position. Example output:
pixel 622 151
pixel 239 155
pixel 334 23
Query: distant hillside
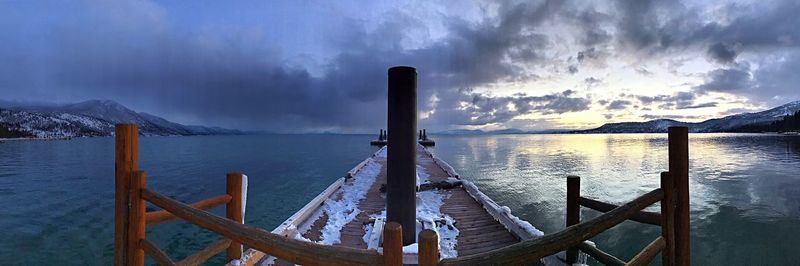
pixel 733 123
pixel 89 118
pixel 789 123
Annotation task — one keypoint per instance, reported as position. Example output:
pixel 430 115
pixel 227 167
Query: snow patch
pixel 429 204
pixel 381 153
pixel 342 211
pixel 244 195
pixel 525 225
pixel 503 209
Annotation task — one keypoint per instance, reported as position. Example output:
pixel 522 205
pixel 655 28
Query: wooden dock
pixel 478 230
pixel 486 232
pixel 482 226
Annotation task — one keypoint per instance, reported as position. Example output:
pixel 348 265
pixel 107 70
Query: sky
pixel 313 66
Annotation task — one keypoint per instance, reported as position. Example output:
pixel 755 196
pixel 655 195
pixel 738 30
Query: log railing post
pixel 233 210
pixel 392 244
pixel 573 212
pixel 126 160
pixel 679 171
pixel 668 220
pixel 428 248
pixel 136 221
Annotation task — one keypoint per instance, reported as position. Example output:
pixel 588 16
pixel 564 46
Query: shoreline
pixel 33 139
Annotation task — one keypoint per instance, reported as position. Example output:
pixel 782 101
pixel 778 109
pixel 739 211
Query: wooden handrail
pixel 162 216
pixel 154 252
pixel 646 217
pixel 203 255
pixel 599 255
pixel 646 255
pixel 291 250
pixel 547 245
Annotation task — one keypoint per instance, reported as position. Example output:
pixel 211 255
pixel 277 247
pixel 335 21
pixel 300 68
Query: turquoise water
pixel 56 197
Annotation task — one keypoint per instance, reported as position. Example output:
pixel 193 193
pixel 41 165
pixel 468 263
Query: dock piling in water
pixel 401 161
pixel 678 138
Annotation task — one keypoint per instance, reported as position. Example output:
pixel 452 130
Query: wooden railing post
pixel 126 160
pixel 392 244
pixel 668 220
pixel 573 212
pixel 136 221
pixel 679 170
pixel 428 248
pixel 233 210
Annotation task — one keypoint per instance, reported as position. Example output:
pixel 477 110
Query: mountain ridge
pixel 88 119
pixel 730 123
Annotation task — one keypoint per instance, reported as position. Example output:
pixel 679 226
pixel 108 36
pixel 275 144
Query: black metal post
pixel 401 158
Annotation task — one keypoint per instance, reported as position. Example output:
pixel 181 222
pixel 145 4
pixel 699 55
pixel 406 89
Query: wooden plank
pixel 494 210
pixel 645 217
pixel 483 228
pixel 126 160
pixel 599 255
pixel 203 255
pixel 494 242
pixel 292 250
pixel 646 255
pixel 535 249
pixel 441 163
pixel 481 237
pixel 156 253
pixel 377 233
pixel 162 216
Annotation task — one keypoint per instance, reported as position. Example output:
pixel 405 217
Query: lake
pixel 56 197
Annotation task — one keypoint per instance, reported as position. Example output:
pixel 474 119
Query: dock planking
pixel 478 230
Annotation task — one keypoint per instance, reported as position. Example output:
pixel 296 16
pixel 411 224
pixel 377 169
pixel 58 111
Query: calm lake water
pixel 56 197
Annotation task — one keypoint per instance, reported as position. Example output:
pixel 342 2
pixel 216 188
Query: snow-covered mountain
pixel 89 118
pixel 724 124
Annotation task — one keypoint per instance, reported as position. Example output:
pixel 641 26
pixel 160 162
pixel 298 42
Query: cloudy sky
pixel 321 66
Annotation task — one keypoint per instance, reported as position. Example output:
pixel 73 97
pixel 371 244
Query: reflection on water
pixel 745 188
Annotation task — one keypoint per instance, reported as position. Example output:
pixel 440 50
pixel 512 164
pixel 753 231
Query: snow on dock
pixel 466 220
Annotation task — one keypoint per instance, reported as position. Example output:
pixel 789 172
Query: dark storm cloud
pixel 472 108
pixel 591 22
pixel 722 53
pixel 592 81
pixel 727 80
pixel 643 71
pixel 618 105
pixel 663 25
pixel 230 78
pixel 702 105
pixel 680 100
pixel 132 52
